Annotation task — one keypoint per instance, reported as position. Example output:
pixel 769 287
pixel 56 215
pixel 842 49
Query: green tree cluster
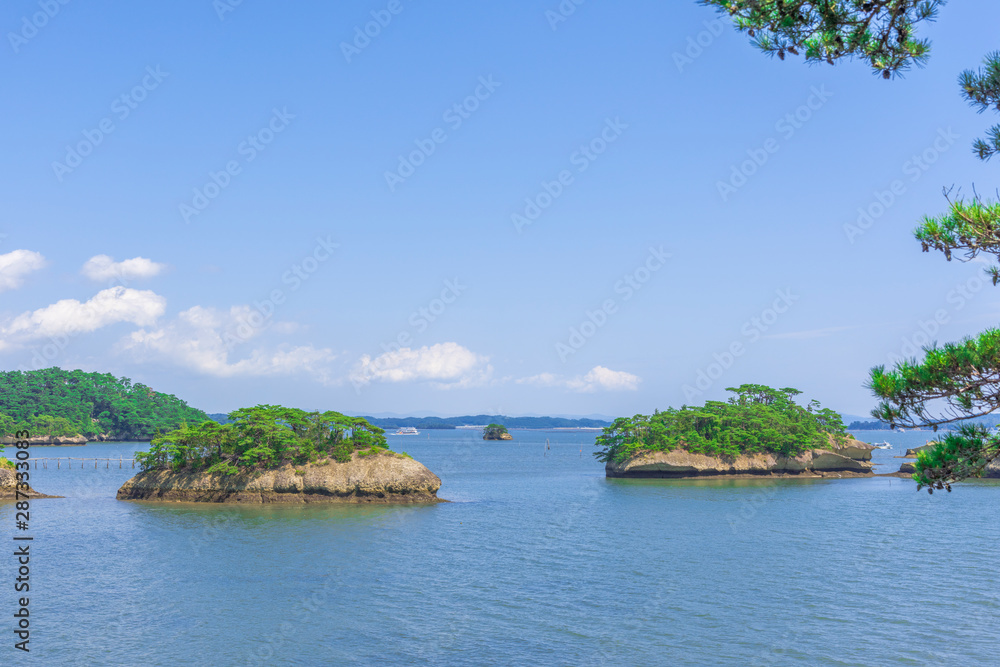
pixel 55 402
pixel 758 419
pixel 262 437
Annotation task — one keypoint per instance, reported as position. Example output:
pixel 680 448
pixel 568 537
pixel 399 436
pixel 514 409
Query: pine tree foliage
pixel 263 437
pixel 955 381
pixel 970 228
pixel 958 380
pixel 982 90
pixel 879 32
pixel 957 456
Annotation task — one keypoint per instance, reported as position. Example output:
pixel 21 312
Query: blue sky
pixel 476 210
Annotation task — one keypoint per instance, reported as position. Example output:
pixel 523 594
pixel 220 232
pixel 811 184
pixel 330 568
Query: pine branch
pixel 982 90
pixel 879 32
pixel 954 382
pixel 970 227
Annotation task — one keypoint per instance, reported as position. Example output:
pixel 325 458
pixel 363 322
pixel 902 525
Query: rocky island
pixel 271 454
pixel 759 432
pixel 850 460
pixel 8 483
pixel 496 432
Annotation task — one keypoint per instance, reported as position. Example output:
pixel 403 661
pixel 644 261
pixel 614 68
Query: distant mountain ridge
pixel 432 423
pixel 989 421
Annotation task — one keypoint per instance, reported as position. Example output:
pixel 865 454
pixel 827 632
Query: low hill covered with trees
pixel 868 426
pixel 53 402
pixel 758 419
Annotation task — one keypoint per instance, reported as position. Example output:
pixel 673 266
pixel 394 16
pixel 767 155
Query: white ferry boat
pixel 407 430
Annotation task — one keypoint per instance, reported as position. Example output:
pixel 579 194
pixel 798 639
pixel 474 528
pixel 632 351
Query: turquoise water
pixel 539 560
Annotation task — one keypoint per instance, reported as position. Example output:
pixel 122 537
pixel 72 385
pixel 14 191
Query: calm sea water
pixel 538 560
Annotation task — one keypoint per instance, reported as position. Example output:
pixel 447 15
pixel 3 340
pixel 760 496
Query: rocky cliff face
pixel 383 478
pixel 8 486
pixel 912 453
pixel 849 460
pixel 502 436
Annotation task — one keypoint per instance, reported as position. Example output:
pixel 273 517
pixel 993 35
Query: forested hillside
pixel 55 402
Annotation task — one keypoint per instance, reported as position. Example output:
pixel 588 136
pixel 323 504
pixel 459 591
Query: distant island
pixel 274 454
pixel 759 431
pixel 426 423
pixel 496 432
pixel 73 407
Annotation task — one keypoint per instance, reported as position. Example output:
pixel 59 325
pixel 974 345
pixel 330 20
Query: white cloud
pixel 14 266
pixel 206 339
pixel 598 379
pixel 542 380
pixel 103 267
pixel 447 365
pixel 69 316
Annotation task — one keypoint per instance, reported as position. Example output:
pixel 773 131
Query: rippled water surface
pixel 538 560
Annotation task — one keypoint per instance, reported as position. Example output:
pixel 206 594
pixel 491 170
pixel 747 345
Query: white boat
pixel 881 445
pixel 407 430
